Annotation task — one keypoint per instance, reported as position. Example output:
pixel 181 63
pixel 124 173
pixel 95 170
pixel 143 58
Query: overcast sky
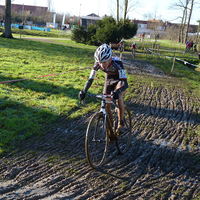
pixel 108 7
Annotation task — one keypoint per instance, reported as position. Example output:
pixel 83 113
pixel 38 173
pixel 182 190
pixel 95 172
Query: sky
pixel 158 8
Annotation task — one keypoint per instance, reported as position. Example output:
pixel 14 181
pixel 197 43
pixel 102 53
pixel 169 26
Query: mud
pixel 163 161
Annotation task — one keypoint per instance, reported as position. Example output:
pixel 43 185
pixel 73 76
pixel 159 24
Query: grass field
pixel 27 107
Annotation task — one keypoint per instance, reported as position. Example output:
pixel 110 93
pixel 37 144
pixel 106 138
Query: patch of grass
pixel 53 159
pixel 28 107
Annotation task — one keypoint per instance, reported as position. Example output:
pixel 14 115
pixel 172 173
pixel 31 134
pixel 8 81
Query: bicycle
pixel 121 47
pixel 101 131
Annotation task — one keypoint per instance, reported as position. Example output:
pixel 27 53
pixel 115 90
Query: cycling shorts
pixel 111 85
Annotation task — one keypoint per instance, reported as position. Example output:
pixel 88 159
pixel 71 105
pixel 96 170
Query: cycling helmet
pixel 134 43
pixel 103 53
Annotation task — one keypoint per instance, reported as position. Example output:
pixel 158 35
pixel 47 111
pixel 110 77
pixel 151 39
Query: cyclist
pixel 134 46
pixel 121 45
pixel 115 83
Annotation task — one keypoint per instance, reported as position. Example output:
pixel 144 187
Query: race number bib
pixel 122 74
pixel 93 74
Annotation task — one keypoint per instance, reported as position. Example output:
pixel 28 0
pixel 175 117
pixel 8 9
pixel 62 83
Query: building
pixel 90 19
pixel 154 27
pixel 21 8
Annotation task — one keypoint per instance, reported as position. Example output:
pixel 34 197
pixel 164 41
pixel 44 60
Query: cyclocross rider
pixel 115 82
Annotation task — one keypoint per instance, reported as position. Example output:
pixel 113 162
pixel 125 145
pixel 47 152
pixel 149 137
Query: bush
pixel 106 31
pixel 79 35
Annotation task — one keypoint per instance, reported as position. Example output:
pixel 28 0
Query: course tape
pixel 43 76
pixel 185 62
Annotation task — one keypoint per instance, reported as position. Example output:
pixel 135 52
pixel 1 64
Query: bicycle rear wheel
pixel 96 141
pixel 124 139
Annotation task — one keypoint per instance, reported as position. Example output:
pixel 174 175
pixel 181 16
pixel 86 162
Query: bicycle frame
pixel 104 101
pixel 107 117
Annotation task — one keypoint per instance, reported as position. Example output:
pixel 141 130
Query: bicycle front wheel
pixel 124 139
pixel 96 141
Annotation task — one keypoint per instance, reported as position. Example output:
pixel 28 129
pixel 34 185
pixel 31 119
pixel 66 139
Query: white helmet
pixel 103 53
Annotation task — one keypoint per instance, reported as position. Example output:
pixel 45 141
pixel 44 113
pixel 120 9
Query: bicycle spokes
pixel 96 141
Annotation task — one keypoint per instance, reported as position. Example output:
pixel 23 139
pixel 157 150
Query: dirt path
pixel 163 161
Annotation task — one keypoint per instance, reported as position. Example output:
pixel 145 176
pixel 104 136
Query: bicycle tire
pixel 124 139
pixel 96 141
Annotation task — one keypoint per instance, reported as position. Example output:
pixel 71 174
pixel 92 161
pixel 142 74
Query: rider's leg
pixel 108 110
pixel 121 109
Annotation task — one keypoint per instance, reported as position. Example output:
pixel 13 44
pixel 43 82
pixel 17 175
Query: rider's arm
pixel 123 81
pixel 91 77
pixel 123 86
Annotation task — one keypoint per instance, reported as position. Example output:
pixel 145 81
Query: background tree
pixel 184 6
pixel 188 23
pixel 129 6
pixel 154 22
pixel 125 9
pixel 117 11
pixel 7 26
pixel 50 5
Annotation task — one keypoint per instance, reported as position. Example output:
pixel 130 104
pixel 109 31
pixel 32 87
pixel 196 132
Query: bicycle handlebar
pixel 103 97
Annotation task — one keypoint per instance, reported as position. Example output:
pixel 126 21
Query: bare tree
pixel 130 5
pixel 117 11
pixel 125 9
pixel 50 5
pixel 183 6
pixel 188 23
pixel 154 23
pixel 7 27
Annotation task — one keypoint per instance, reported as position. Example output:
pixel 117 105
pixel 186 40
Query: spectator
pixel 192 43
pixel 195 48
pixel 188 45
pixel 141 36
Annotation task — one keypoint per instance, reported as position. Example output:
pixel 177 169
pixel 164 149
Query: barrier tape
pixel 43 76
pixel 185 62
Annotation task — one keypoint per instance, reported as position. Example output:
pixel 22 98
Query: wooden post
pixel 120 55
pixel 173 64
pixel 157 55
pixel 146 53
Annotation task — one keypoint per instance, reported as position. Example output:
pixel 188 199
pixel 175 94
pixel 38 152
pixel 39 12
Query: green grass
pixel 29 107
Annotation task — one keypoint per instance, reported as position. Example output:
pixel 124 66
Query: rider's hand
pixel 114 95
pixel 82 95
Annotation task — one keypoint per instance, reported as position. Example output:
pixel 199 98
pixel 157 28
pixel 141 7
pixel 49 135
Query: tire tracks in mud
pixel 163 161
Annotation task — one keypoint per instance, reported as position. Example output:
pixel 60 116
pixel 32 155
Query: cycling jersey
pixel 115 76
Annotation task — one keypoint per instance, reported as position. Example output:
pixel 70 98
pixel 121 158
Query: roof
pixel 92 17
pixel 137 21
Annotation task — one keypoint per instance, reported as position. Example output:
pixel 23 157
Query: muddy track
pixel 163 161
